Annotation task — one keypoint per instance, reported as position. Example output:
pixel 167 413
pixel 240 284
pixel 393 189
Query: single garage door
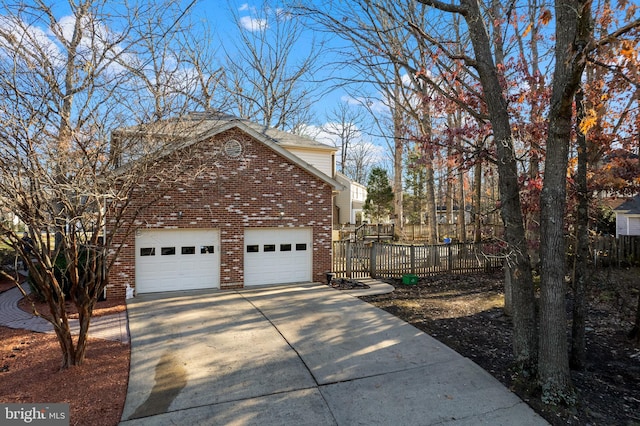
pixel 277 255
pixel 177 259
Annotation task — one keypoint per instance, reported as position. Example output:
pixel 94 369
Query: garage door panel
pixel 279 255
pixel 190 261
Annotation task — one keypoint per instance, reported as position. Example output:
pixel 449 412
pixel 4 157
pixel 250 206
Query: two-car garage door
pixel 189 259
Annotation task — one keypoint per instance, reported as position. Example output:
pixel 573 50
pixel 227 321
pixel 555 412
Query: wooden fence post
pixel 372 260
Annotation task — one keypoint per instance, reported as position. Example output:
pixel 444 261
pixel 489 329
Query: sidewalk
pixel 107 327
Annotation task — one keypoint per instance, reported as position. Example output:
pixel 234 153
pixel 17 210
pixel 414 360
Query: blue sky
pixel 219 16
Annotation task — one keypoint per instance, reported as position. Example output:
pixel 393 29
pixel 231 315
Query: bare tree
pixel 269 71
pixel 362 159
pixel 343 124
pixel 64 87
pixel 386 36
pixel 476 71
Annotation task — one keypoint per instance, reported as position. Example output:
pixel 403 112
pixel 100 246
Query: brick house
pixel 234 205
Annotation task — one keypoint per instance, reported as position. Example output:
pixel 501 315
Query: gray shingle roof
pixel 196 125
pixel 631 206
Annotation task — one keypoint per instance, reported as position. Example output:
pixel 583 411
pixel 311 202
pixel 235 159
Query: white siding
pixel 358 193
pixel 321 160
pixel 627 224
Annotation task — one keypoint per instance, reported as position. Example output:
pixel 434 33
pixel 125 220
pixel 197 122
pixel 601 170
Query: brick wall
pixel 202 187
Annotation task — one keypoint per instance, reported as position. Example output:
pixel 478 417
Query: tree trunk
pixel 580 275
pixel 430 202
pixel 572 34
pixel 81 346
pixel 524 323
pixel 63 332
pixel 397 171
pixel 477 192
pixel 429 178
pixel 508 291
pixel 448 197
pixel 462 226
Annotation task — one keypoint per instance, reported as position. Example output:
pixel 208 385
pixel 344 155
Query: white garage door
pixel 277 255
pixel 177 259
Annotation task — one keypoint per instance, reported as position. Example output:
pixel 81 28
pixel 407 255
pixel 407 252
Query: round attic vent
pixel 233 148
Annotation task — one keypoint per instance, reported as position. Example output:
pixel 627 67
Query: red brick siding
pixel 215 191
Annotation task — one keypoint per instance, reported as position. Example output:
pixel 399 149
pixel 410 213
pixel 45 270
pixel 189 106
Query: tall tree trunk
pixel 429 177
pixel 572 34
pixel 477 193
pixel 449 197
pixel 462 227
pixel 580 270
pixel 524 322
pixel 430 202
pixel 397 166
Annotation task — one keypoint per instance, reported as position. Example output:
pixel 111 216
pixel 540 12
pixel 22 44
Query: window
pixel 269 247
pixel 285 247
pixel 188 250
pixel 148 251
pixel 253 248
pixel 206 249
pixel 168 251
pixel 301 247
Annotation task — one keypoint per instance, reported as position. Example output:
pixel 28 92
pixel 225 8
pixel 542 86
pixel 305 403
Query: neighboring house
pixel 628 217
pixel 248 209
pixel 350 201
pixel 444 216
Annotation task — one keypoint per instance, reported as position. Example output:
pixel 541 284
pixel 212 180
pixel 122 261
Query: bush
pixel 61 274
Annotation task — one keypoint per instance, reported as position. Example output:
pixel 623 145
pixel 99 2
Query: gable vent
pixel 232 148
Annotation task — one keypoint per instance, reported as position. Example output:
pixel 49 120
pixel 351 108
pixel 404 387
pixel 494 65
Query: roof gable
pixel 196 127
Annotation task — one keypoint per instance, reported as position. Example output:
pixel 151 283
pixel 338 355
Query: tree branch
pixel 445 7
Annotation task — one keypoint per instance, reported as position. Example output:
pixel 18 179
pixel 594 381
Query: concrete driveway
pixel 296 355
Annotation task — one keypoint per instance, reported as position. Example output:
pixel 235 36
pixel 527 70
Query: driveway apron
pixel 299 354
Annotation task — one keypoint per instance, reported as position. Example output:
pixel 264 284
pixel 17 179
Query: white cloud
pixel 253 24
pixel 28 38
pixel 327 134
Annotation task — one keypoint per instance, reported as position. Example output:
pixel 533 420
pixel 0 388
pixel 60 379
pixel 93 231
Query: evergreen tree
pixel 379 202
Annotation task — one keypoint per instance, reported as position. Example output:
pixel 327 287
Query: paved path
pixel 108 327
pixel 299 355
